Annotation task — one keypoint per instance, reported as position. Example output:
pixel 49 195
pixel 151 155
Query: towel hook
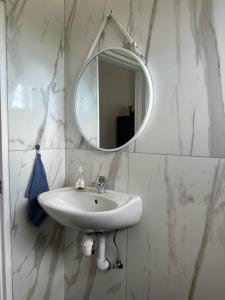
pixel 37 147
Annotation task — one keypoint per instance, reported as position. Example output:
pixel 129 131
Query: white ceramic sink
pixel 90 211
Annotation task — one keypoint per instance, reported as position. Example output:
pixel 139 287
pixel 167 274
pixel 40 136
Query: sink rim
pixel 91 191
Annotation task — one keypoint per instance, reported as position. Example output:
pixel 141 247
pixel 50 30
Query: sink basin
pixel 92 212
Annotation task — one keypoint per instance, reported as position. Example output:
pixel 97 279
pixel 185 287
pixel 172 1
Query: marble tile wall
pixel 182 230
pixel 35 61
pixel 82 280
pixel 177 250
pixel 35 44
pixel 37 253
pixel 183 46
pixel 177 165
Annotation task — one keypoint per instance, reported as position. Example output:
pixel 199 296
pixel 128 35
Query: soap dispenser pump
pixel 80 182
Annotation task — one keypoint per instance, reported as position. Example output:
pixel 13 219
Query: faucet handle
pixel 101 179
pixel 100 184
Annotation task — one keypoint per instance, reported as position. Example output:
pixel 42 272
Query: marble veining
pixel 193 132
pixel 35 59
pixel 36 252
pixel 177 27
pixel 95 284
pixel 207 52
pixel 151 24
pixel 167 69
pixel 70 21
pixel 50 88
pixel 218 184
pixel 40 247
pixel 176 204
pixel 35 43
pixel 171 216
pixel 176 99
pixel 15 11
pixel 179 219
pixel 181 235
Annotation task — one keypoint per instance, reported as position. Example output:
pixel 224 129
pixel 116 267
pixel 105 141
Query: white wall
pixel 116 94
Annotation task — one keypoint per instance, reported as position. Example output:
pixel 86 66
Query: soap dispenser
pixel 79 181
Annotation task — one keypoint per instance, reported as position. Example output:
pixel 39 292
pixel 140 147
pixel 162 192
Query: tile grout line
pixel 151 153
pixel 42 149
pixel 128 182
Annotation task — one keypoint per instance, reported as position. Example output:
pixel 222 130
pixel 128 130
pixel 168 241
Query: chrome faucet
pixel 100 184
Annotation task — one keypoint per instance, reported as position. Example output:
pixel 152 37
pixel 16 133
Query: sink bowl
pixel 92 212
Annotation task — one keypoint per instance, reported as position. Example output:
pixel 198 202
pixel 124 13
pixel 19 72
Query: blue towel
pixel 38 184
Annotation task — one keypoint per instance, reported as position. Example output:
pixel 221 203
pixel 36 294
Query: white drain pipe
pixel 103 263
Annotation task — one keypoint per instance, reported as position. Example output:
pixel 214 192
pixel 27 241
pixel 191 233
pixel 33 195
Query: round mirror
pixel 113 99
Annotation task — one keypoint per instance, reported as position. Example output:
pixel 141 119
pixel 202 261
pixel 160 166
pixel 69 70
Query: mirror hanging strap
pixel 109 17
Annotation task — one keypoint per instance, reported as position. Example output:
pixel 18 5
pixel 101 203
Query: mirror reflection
pixel 111 99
